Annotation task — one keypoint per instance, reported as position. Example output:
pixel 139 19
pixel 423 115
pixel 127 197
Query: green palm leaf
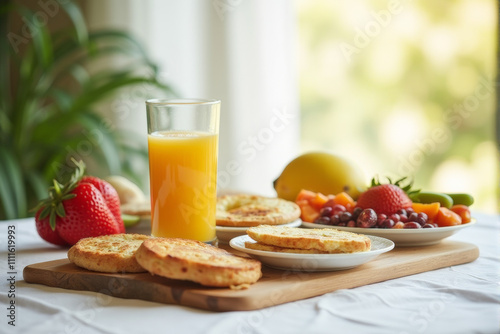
pixel 51 111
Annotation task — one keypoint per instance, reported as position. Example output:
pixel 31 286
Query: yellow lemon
pixel 320 172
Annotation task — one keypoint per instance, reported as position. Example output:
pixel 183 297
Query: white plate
pixel 226 233
pixel 403 237
pixel 313 262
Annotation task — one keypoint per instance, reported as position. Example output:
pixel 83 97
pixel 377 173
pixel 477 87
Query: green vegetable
pixel 130 220
pixel 464 199
pixel 431 197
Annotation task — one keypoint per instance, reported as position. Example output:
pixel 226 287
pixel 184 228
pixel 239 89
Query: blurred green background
pixel 404 88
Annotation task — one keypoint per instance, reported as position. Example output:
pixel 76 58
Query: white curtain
pixel 241 52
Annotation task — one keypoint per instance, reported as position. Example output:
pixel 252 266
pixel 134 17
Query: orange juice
pixel 183 172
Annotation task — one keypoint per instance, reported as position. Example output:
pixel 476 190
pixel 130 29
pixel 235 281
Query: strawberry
pixel 47 234
pixel 110 195
pixel 83 207
pixel 385 198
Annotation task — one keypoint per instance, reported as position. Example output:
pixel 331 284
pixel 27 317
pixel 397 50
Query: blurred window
pixel 403 88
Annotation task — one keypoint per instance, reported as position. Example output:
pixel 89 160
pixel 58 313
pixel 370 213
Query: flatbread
pixel 108 253
pixel 271 248
pixel 327 240
pixel 252 210
pixel 196 261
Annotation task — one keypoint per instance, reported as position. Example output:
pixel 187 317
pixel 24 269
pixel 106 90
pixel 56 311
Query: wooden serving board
pixel 275 287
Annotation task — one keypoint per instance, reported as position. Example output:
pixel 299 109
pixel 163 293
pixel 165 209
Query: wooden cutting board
pixel 275 287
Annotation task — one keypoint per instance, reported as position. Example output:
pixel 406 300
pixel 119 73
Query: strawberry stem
pixel 53 206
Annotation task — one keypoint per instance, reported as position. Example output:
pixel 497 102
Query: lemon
pixel 322 172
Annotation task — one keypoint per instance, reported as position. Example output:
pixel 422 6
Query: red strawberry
pixel 87 215
pixel 110 196
pixel 78 210
pixel 44 230
pixel 385 198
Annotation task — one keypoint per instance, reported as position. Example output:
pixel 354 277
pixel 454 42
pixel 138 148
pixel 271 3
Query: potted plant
pixel 49 100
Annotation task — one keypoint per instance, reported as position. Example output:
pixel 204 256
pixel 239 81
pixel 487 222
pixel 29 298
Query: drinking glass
pixel 183 148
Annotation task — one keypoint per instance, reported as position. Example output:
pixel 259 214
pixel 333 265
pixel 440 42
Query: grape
pixel 428 226
pixel 326 211
pixel 409 211
pixel 367 218
pixel 412 225
pixel 422 218
pixel 381 217
pixel 351 223
pixel 403 218
pixel 402 212
pixel 413 217
pixel 387 223
pixel 395 217
pixel 338 208
pixel 356 212
pixel 323 220
pixel 335 219
pixel 341 224
pixel 345 217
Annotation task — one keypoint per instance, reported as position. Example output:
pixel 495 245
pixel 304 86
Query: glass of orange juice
pixel 183 148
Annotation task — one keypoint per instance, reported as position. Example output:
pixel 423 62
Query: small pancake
pixel 327 240
pixel 270 248
pixel 108 253
pixel 196 261
pixel 252 210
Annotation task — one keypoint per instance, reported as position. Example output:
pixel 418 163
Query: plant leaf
pixel 6 194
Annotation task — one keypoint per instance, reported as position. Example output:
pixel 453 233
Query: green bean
pixel 431 197
pixel 464 199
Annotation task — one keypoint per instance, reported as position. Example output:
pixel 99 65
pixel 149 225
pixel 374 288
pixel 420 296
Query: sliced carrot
pixel 430 209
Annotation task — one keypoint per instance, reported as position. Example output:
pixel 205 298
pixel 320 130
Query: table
pixel 457 299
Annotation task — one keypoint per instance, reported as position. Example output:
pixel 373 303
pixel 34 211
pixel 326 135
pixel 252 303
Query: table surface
pixel 456 299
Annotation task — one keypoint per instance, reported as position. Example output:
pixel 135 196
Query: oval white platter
pixel 226 233
pixel 313 262
pixel 403 237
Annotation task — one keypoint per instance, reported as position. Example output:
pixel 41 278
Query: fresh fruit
pixel 430 209
pixel 308 213
pixel 399 225
pixel 463 211
pixel 412 225
pixel 110 196
pixel 384 198
pixel 446 217
pixel 464 199
pixel 128 191
pixel 45 231
pixel 431 197
pixel 344 199
pixel 367 218
pixel 386 223
pixel 78 209
pixel 130 220
pixel 320 172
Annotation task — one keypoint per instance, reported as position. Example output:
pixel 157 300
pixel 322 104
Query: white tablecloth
pixel 458 299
